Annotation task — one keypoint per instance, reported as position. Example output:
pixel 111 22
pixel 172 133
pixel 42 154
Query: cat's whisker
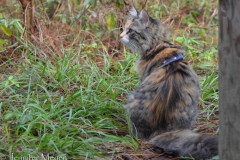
pixel 134 47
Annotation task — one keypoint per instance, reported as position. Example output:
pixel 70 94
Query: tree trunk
pixel 229 79
pixel 28 8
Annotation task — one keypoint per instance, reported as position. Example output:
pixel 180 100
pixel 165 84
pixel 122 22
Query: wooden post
pixel 229 79
pixel 28 8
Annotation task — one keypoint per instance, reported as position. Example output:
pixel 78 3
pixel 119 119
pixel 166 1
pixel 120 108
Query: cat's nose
pixel 122 34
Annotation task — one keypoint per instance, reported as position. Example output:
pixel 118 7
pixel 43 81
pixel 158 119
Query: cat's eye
pixel 129 31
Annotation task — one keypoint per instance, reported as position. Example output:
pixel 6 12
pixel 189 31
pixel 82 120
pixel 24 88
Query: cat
pixel 164 106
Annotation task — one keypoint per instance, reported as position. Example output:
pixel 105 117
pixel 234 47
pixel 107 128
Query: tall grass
pixel 72 107
pixel 65 108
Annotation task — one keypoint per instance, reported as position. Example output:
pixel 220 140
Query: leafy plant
pixel 72 106
pixel 8 28
pixel 209 94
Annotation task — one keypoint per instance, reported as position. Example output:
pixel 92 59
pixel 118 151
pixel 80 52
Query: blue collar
pixel 173 59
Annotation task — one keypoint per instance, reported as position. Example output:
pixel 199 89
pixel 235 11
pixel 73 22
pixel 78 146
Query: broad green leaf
pixel 86 2
pixel 1 44
pixel 119 4
pixel 110 21
pixel 12 80
pixel 6 30
pixel 94 14
pixel 179 39
pixel 94 45
pixel 94 3
pixel 17 24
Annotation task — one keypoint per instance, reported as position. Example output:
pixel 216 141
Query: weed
pixel 65 108
pixel 73 106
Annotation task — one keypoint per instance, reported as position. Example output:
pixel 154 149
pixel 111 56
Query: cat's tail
pixel 187 143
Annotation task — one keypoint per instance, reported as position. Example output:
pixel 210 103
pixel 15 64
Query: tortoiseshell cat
pixel 164 106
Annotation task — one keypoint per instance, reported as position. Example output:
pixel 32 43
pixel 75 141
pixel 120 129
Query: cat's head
pixel 142 33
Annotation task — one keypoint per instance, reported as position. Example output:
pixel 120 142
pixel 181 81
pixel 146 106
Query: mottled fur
pixel 164 106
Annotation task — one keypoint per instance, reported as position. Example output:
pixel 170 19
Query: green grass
pixel 73 106
pixel 209 95
pixel 70 107
pixel 65 108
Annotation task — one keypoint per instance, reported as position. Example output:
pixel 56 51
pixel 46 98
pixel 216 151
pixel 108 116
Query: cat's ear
pixel 144 18
pixel 133 12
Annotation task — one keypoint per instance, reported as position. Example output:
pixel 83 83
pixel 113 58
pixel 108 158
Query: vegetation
pixel 62 90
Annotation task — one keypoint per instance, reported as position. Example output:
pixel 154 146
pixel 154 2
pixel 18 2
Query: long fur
pixel 187 143
pixel 164 106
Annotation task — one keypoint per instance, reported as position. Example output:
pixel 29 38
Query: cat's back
pixel 167 96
